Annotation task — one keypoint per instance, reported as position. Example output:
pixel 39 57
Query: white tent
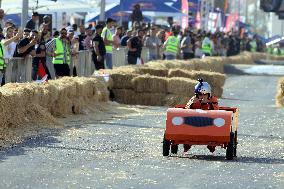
pixel 47 6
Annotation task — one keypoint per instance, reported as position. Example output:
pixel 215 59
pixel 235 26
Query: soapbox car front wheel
pixel 174 149
pixel 166 147
pixel 231 147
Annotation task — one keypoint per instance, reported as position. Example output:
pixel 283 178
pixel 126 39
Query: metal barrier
pixel 20 69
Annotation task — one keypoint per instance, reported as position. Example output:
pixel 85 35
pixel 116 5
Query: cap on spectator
pixel 99 26
pixel 35 14
pixel 110 20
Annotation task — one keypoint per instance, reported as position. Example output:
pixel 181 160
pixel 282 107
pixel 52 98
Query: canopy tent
pixel 116 14
pixel 152 8
pixel 47 6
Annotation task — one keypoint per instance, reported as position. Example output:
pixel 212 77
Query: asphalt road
pixel 126 151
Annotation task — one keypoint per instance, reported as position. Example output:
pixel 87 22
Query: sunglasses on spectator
pixel 63 33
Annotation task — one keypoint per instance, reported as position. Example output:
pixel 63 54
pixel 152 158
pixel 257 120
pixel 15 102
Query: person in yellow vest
pixel 108 41
pixel 253 44
pixel 2 62
pixel 172 46
pixel 59 50
pixel 207 45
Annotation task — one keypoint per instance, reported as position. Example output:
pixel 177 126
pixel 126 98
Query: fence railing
pixel 20 69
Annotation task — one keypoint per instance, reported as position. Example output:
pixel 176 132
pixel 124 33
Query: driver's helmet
pixel 202 88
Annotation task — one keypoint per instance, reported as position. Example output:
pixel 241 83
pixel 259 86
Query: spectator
pixel 82 37
pixel 75 53
pixel 88 39
pixel 125 38
pixel 99 49
pixel 33 22
pixel 108 41
pixel 2 22
pixel 27 45
pixel 10 42
pixel 135 45
pixel 172 46
pixel 207 45
pixel 116 37
pixel 153 43
pixel 75 28
pixel 39 58
pixel 58 48
pixel 186 46
pixel 137 15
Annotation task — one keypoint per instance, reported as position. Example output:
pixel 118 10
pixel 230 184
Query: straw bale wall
pixel 22 103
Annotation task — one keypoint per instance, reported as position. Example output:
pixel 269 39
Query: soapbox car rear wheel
pixel 166 147
pixel 230 147
pixel 236 143
pixel 174 149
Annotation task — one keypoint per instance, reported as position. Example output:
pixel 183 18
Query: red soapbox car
pixel 201 127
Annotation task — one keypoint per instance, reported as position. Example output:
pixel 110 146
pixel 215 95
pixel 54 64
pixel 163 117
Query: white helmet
pixel 202 88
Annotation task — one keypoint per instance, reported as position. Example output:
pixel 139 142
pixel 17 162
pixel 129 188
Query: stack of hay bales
pixel 164 83
pixel 208 64
pixel 216 80
pixel 31 102
pixel 280 93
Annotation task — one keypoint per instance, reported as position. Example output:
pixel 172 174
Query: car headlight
pixel 219 122
pixel 177 121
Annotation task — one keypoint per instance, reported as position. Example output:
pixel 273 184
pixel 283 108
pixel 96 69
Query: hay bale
pixel 122 80
pixel 152 84
pixel 280 93
pixel 213 78
pixel 160 72
pixel 124 96
pixel 172 100
pixel 181 86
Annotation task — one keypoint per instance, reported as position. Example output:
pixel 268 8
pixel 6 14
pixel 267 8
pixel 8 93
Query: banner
pixel 184 10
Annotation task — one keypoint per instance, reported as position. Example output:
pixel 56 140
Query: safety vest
pixel 172 44
pixel 106 33
pixel 59 59
pixel 206 48
pixel 253 46
pixel 270 50
pixel 2 60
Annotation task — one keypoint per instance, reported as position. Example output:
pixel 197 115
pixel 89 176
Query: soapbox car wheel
pixel 174 149
pixel 166 147
pixel 230 147
pixel 236 143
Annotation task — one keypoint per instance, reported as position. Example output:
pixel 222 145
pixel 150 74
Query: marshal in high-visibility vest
pixel 2 60
pixel 206 48
pixel 59 51
pixel 172 45
pixel 253 46
pixel 106 33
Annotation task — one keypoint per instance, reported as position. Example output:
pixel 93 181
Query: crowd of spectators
pixel 54 50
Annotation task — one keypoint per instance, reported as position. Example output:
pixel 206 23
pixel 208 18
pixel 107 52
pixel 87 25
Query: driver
pixel 203 98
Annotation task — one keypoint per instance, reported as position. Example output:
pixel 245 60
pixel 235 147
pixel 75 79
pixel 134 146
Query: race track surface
pixel 126 151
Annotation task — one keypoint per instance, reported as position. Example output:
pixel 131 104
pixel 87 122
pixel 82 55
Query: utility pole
pixel 25 12
pixel 0 3
pixel 102 13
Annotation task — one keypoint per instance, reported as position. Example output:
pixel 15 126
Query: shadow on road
pixel 241 159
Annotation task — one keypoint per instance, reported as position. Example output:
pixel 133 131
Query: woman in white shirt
pixel 10 42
